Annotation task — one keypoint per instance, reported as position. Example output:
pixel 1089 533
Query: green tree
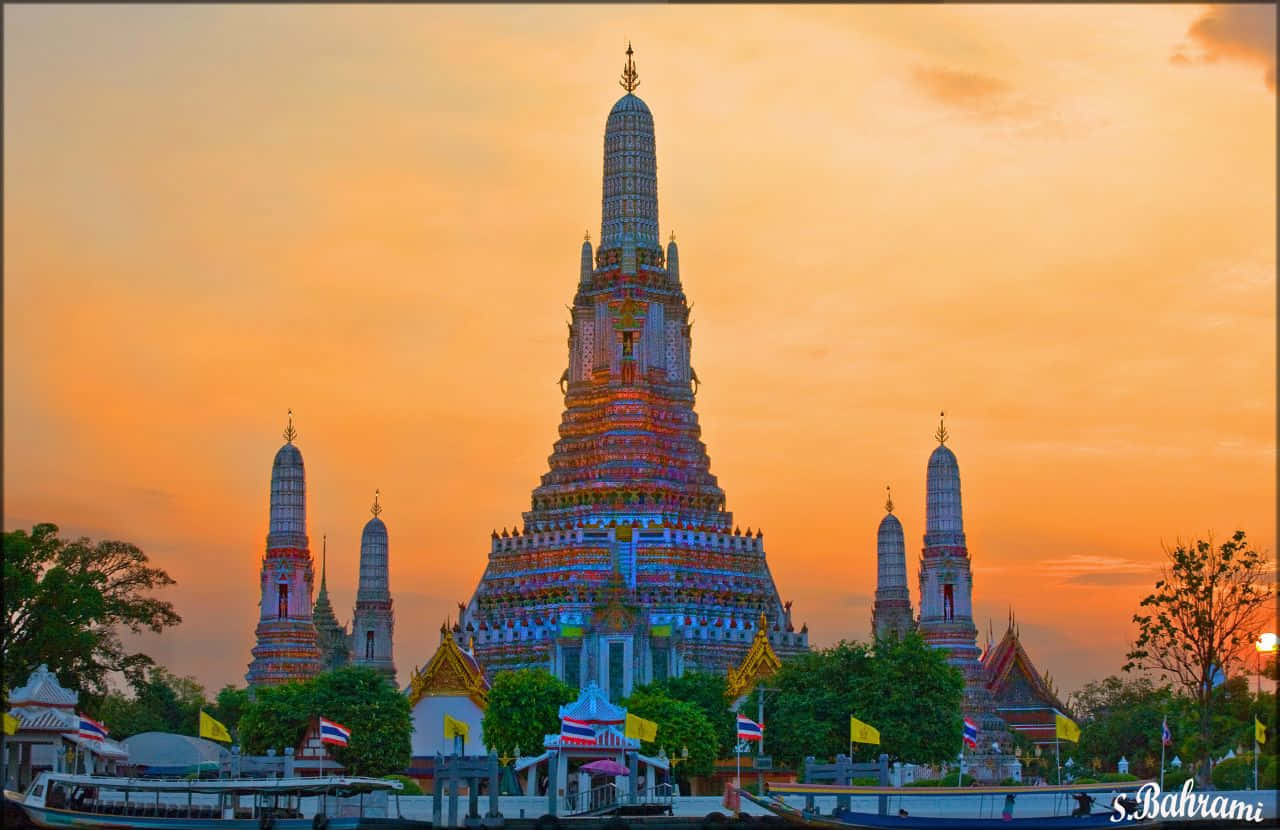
pixel 1207 609
pixel 276 717
pixel 524 707
pixel 355 696
pixel 229 707
pixel 681 725
pixel 913 697
pixel 160 702
pixel 65 603
pixel 707 692
pixel 376 713
pixel 1121 717
pixel 903 688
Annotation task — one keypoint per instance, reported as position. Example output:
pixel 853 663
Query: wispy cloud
pixel 1092 569
pixel 1245 33
pixel 984 97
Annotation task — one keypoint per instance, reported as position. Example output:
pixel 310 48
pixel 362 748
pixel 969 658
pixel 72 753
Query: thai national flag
pixel 1166 737
pixel 749 730
pixel 334 733
pixel 970 734
pixel 574 731
pixel 91 729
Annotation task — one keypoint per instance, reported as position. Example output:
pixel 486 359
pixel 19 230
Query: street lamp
pixel 1266 644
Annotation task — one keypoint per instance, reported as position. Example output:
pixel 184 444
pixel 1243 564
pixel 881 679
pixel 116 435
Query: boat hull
pixel 848 820
pixel 55 819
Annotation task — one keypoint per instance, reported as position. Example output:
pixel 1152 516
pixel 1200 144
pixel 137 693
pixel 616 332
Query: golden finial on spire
pixel 290 433
pixel 942 435
pixel 586 236
pixel 630 77
pixel 888 505
pixel 377 508
pixel 673 236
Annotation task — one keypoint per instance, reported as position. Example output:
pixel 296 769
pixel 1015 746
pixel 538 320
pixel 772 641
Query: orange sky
pixel 1056 223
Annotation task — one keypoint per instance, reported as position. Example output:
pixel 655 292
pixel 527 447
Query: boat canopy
pixel 327 784
pixel 837 789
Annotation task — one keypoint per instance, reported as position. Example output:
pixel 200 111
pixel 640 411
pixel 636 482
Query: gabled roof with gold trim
pixel 1007 662
pixel 450 671
pixel 761 662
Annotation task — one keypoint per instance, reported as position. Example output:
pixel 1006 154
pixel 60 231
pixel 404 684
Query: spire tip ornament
pixel 630 77
pixel 377 508
pixel 888 505
pixel 290 433
pixel 942 435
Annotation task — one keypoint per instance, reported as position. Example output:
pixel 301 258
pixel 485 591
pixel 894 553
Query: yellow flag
pixel 10 724
pixel 210 728
pixel 862 733
pixel 1259 730
pixel 638 727
pixel 1066 729
pixel 454 728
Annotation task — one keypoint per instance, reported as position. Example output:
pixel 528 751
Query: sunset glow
pixel 1055 223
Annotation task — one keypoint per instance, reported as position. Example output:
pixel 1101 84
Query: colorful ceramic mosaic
pixel 627 567
pixel 286 635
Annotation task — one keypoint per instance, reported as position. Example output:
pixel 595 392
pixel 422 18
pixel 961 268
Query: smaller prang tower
pixel 372 621
pixel 946 608
pixel 286 647
pixel 334 640
pixel 891 615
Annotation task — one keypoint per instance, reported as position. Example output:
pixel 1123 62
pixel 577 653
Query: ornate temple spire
pixel 372 622
pixel 288 515
pixel 942 435
pixel 286 647
pixel 944 517
pixel 324 567
pixel 629 209
pixel 891 613
pixel 630 77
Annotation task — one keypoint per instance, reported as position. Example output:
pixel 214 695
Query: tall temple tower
pixel 286 649
pixel 372 622
pixel 891 615
pixel 332 637
pixel 628 568
pixel 946 608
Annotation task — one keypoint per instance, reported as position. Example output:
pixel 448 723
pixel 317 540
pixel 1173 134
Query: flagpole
pixel 1164 724
pixel 960 778
pixel 1057 756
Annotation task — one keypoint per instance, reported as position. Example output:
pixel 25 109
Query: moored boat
pixel 1001 807
pixel 56 801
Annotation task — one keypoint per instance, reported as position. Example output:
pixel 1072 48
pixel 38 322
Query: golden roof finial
pixel 377 508
pixel 630 77
pixel 586 236
pixel 290 433
pixel 888 505
pixel 942 435
pixel 673 236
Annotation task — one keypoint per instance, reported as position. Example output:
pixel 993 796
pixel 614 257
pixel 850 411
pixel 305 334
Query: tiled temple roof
pixel 42 689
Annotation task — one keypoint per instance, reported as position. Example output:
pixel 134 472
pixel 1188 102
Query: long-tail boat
pixel 57 801
pixel 995 807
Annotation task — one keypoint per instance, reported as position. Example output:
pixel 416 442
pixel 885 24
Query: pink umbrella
pixel 605 766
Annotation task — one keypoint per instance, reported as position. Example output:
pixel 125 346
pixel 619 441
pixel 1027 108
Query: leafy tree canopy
pixel 681 726
pixel 706 691
pixel 65 602
pixel 903 688
pixel 1208 607
pixel 355 696
pixel 524 707
pixel 160 702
